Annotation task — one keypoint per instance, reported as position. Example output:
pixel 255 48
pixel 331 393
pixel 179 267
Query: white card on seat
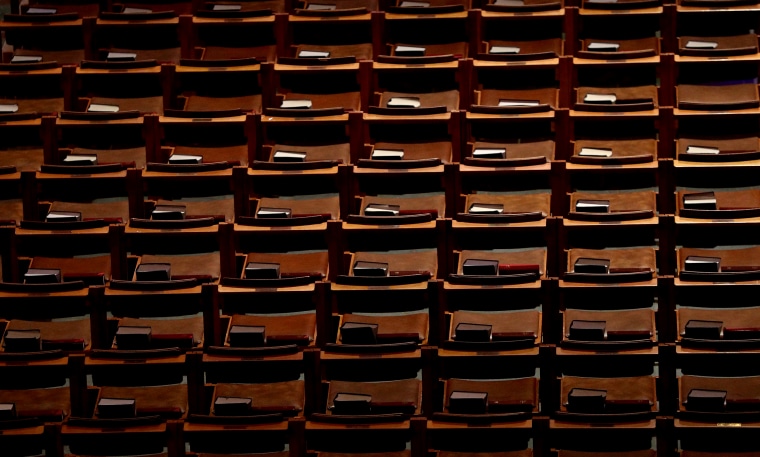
pixel 289 156
pixel 479 208
pixel 388 154
pixel 519 102
pixel 313 54
pixel 701 44
pixel 702 150
pixel 409 49
pixel 227 8
pixel 595 152
pixel 489 153
pixel 504 50
pixel 185 159
pixel 98 108
pixel 121 56
pixel 410 4
pixel 321 7
pixel 26 59
pixel 8 108
pixel 129 10
pixel 296 104
pixel 91 159
pixel 600 98
pixel 404 102
pixel 41 11
pixel 509 3
pixel 602 47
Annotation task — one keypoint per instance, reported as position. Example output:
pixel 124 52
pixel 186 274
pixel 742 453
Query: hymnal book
pixel 603 47
pixel 477 333
pixel 358 333
pixel 244 336
pixel 121 56
pixel 701 44
pixel 305 54
pixel 702 150
pixel 702 264
pixel 321 7
pixel 504 102
pixel 593 266
pixel 168 213
pixel 153 272
pixel 587 330
pixel 387 154
pixel 296 104
pixel 586 399
pixel 274 213
pixel 489 153
pixel 592 206
pixel 63 216
pixel 349 403
pixel 26 59
pixel 42 276
pixel 404 102
pixel 288 156
pixel 706 400
pixel 129 10
pixel 409 51
pixel 41 11
pixel 133 337
pixel 468 402
pixel 703 330
pixel 232 406
pixel 227 8
pixel 599 98
pixel 410 4
pixel 509 3
pixel 504 50
pixel 185 159
pixel 261 270
pixel 595 152
pixel 702 200
pixel 80 159
pixel 8 108
pixel 375 209
pixel 480 267
pixel 7 411
pixel 485 208
pixel 362 268
pixel 116 408
pixel 23 340
pixel 100 108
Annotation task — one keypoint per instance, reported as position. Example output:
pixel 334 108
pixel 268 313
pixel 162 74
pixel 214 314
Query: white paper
pixel 55 215
pixel 410 4
pixel 227 8
pixel 476 209
pixel 588 204
pixel 263 212
pixel 296 104
pixel 700 201
pixel 314 54
pixel 600 98
pixel 417 49
pixel 603 46
pixel 404 102
pixel 489 152
pixel 388 154
pixel 185 158
pixel 121 56
pixel 370 211
pixel 115 402
pixel 701 45
pixel 504 50
pixel 26 59
pixel 7 406
pixel 289 155
pixel 595 152
pixel 129 10
pixel 693 260
pixel 321 7
pixel 518 103
pixel 41 11
pixel 701 150
pixel 71 158
pixel 98 108
pixel 509 3
pixel 8 108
